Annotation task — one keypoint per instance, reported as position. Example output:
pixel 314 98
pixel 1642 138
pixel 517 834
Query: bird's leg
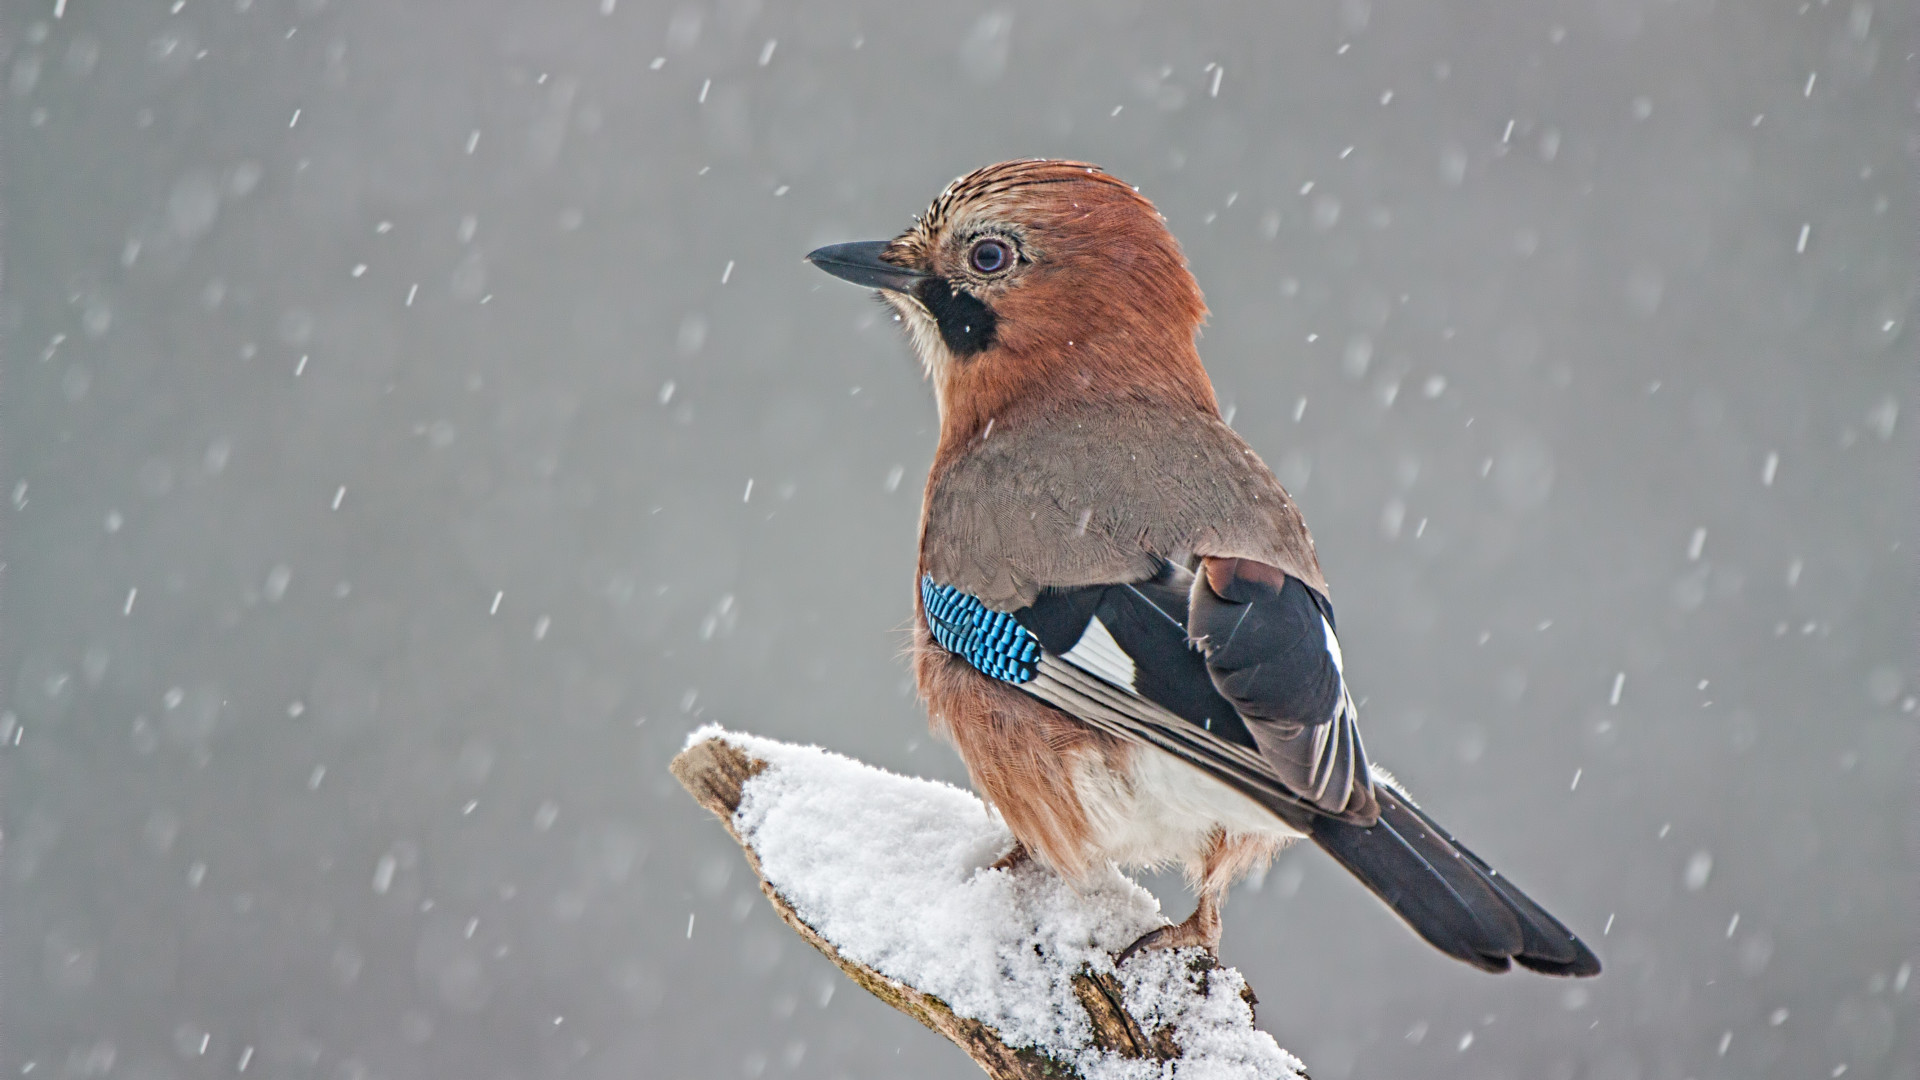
pixel 1013 858
pixel 1223 861
pixel 1202 928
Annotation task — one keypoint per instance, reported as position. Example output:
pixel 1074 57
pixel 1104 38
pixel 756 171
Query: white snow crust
pixel 896 872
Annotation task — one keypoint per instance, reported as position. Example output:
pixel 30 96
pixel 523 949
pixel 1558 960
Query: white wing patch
pixel 1333 650
pixel 1336 744
pixel 1098 654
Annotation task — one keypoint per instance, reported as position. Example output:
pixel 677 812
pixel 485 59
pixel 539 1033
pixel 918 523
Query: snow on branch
pixel 892 879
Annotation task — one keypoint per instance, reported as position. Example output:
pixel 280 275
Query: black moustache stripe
pixel 966 324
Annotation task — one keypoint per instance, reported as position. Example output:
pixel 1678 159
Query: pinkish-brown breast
pixel 1021 753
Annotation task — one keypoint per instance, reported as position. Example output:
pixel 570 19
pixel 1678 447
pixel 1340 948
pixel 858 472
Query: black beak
pixel 860 263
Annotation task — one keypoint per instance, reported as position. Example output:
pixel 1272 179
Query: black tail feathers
pixel 1458 903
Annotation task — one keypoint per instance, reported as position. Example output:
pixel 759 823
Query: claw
pixel 1152 939
pixel 1202 928
pixel 1177 936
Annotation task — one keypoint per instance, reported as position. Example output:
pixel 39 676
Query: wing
pixel 1271 650
pixel 1260 703
pixel 1118 657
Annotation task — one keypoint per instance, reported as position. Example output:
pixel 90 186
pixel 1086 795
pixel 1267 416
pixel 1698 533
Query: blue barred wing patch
pixel 990 640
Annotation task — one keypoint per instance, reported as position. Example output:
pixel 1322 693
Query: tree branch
pixel 718 772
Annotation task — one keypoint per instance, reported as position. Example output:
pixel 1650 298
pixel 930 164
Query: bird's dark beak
pixel 860 263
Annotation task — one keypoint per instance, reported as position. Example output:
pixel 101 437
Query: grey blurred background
pixel 417 416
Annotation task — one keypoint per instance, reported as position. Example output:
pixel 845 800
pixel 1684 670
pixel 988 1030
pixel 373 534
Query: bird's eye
pixel 990 256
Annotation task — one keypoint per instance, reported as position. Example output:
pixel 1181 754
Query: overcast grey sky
pixel 384 383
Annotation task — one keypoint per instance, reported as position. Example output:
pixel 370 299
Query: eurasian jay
pixel 1120 621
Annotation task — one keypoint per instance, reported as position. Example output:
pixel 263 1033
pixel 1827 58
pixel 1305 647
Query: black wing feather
pixel 1148 621
pixel 1059 616
pixel 1271 650
pixel 1168 670
pixel 1268 650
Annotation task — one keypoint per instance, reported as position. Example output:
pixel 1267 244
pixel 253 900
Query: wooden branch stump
pixel 717 773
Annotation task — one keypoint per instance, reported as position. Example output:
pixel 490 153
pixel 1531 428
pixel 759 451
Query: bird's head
pixel 1032 283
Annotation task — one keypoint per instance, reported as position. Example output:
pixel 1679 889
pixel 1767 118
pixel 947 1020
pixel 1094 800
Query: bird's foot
pixel 1202 928
pixel 1013 858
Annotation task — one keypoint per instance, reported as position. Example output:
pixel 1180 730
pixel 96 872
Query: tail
pixel 1462 906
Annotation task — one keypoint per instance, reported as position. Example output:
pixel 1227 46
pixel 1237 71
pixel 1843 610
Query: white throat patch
pixel 935 358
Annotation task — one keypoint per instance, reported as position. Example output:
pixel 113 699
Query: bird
pixel 1120 619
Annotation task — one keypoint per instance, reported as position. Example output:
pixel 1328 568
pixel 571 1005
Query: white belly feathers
pixel 1162 811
